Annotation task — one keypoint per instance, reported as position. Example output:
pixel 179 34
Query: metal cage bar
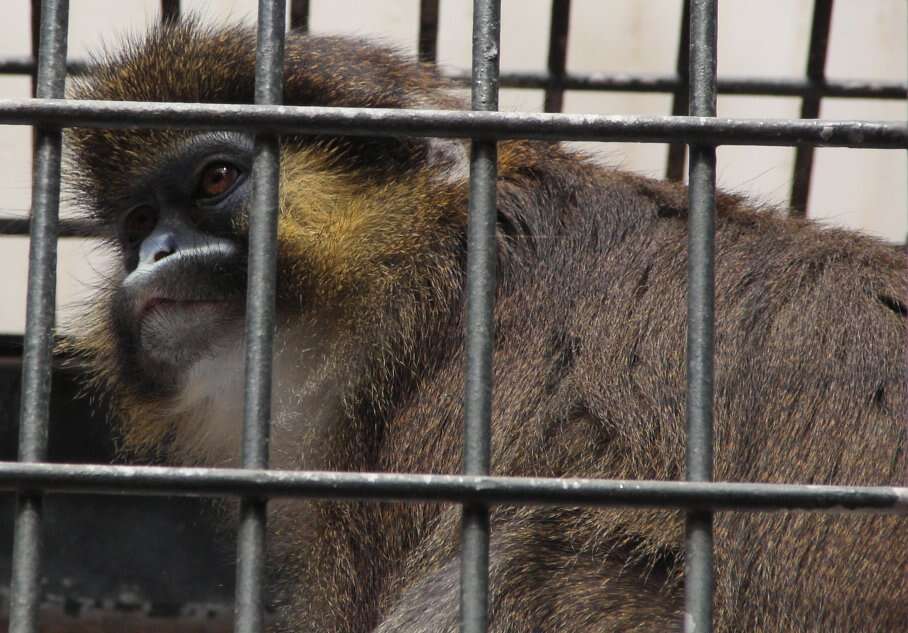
pixel 40 303
pixel 647 82
pixel 677 152
pixel 558 48
pixel 259 334
pixel 480 334
pixel 454 123
pixel 170 10
pixel 810 105
pixel 475 490
pixel 299 15
pixel 236 482
pixel 698 572
pixel 732 85
pixel 427 46
pixel 35 9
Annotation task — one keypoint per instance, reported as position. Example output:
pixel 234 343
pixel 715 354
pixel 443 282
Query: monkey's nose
pixel 157 246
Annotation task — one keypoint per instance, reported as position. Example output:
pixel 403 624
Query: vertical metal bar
pixel 700 317
pixel 480 334
pixel 810 104
pixel 558 42
pixel 428 31
pixel 36 38
pixel 170 10
pixel 39 320
pixel 299 15
pixel 674 169
pixel 259 337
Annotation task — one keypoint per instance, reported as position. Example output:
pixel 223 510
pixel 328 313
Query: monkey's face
pixel 183 256
pixel 370 234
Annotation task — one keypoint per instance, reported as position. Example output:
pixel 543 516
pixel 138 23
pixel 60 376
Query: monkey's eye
pixel 216 180
pixel 138 224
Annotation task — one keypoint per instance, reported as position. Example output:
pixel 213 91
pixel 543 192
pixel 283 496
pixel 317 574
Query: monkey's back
pixel 810 357
pixel 589 375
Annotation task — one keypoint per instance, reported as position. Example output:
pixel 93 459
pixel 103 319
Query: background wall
pixel 864 189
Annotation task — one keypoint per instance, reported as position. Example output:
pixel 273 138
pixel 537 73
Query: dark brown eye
pixel 139 224
pixel 216 180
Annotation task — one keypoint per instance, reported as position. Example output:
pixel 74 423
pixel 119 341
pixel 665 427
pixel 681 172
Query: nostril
pixel 161 254
pixel 158 246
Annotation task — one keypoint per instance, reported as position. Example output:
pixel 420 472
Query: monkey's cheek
pixel 181 333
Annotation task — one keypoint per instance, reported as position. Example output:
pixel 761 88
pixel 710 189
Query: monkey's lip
pixel 153 304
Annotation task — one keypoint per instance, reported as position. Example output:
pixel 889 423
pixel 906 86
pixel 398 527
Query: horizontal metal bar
pixel 756 86
pixel 66 228
pixel 455 123
pixel 87 229
pixel 753 86
pixel 217 482
pixel 25 65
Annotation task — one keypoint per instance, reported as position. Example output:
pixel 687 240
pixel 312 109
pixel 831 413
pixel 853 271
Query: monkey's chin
pixel 176 335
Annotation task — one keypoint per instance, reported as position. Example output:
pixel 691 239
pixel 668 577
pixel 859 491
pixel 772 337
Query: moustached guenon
pixel 589 355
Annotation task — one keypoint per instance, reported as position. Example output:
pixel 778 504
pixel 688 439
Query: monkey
pixel 589 360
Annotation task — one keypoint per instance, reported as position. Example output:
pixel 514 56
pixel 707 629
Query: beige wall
pixel 864 189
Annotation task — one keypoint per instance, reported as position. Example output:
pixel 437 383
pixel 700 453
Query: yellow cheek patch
pixel 339 233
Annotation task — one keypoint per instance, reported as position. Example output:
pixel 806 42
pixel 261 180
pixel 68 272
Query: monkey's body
pixel 589 367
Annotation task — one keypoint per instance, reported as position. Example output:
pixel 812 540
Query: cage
pixel 46 491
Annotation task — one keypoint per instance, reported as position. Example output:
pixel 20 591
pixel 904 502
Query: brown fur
pixel 589 367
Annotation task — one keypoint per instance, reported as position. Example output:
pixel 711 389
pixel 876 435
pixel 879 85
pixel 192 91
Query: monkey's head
pixel 360 219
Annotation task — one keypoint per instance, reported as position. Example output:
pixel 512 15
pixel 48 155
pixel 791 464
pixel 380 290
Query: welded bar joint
pixel 259 332
pixel 25 591
pixel 698 576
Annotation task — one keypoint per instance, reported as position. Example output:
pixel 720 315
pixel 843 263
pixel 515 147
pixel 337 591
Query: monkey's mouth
pixel 174 330
pixel 173 334
pixel 162 304
pixel 179 311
